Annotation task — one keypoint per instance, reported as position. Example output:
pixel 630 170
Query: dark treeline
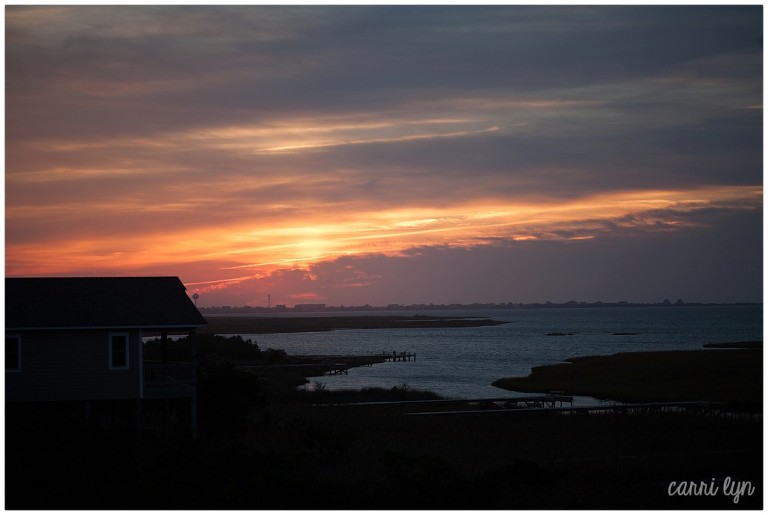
pixel 212 348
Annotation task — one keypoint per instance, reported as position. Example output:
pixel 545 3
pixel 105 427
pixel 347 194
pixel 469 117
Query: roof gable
pixel 99 302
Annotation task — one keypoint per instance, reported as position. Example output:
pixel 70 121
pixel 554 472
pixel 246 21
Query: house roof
pixel 99 302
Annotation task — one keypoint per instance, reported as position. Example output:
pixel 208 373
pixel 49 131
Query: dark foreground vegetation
pixel 264 445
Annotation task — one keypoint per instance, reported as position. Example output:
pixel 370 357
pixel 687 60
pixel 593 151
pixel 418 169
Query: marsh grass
pixel 402 392
pixel 731 376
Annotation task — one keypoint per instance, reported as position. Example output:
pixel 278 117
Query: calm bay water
pixel 462 362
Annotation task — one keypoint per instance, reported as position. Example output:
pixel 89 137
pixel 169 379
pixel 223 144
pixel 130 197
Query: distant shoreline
pixel 269 325
pixel 321 308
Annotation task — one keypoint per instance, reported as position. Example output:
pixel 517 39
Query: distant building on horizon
pixel 309 307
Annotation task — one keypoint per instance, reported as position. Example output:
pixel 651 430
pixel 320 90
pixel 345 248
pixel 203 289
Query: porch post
pixel 192 348
pixel 193 401
pixel 193 413
pixel 139 419
pixel 164 347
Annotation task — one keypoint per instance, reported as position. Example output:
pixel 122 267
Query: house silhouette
pixel 80 339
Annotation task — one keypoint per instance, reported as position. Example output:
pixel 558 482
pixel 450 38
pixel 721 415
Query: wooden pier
pixel 495 404
pixel 342 366
pixel 326 365
pixel 399 356
pixel 333 369
pixel 659 407
pixel 549 403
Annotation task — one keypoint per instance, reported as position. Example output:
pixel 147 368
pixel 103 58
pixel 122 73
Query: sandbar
pixel 266 325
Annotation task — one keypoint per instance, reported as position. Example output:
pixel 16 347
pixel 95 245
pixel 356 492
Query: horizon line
pixel 454 305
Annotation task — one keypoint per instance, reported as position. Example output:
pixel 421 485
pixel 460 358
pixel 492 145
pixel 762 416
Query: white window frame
pixel 18 352
pixel 127 351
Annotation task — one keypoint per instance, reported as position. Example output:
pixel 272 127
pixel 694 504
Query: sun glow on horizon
pixel 299 243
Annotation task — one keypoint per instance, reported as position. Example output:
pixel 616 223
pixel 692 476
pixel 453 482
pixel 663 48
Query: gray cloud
pixel 265 113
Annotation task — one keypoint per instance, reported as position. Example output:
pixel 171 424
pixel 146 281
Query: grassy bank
pixel 732 376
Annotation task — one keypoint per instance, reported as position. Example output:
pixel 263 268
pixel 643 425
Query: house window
pixel 118 351
pixel 13 353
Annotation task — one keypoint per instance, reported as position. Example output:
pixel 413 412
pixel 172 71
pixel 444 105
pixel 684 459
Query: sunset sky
pixel 389 154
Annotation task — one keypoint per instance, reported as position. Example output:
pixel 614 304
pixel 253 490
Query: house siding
pixel 73 365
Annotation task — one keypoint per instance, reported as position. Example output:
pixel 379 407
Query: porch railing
pixel 169 374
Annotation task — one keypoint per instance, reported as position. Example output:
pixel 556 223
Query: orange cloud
pixel 299 242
